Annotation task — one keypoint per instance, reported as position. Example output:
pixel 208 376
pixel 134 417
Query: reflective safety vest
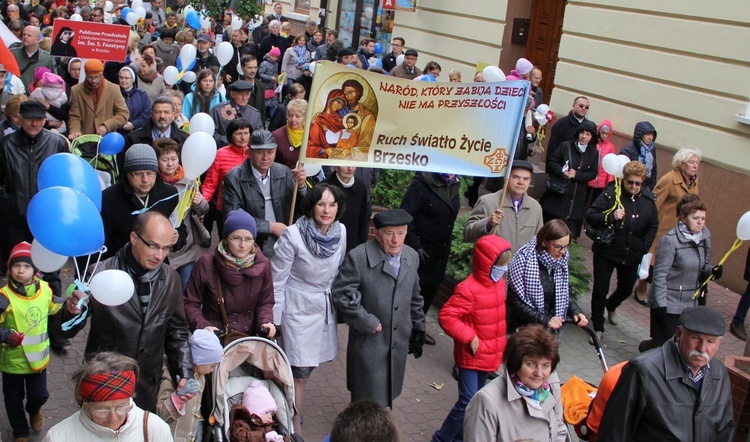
pixel 27 315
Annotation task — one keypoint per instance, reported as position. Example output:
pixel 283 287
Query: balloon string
pixel 96 265
pixel 737 244
pixel 81 305
pixel 146 209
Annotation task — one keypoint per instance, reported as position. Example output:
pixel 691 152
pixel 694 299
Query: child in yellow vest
pixel 25 303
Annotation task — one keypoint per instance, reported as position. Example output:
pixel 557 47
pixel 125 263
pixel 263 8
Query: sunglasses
pixel 582 106
pixel 634 183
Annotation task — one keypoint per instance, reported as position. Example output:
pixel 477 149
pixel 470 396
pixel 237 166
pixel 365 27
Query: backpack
pixel 86 147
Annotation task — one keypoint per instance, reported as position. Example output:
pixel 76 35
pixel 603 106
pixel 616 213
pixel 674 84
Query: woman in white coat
pixel 308 256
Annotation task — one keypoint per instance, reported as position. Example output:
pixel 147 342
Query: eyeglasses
pixel 154 247
pixel 396 44
pixel 140 175
pixel 634 183
pixel 121 411
pixel 239 239
pixel 559 248
pixel 582 106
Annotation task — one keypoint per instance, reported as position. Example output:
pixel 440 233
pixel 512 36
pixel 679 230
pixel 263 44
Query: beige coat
pixel 112 111
pixel 499 413
pixel 182 423
pixel 668 191
pixel 516 228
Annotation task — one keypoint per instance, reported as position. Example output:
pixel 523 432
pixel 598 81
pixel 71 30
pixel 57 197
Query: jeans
pixel 742 307
pixel 185 272
pixel 626 277
pixel 469 382
pixel 36 395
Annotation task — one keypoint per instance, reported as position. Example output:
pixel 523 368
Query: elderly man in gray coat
pixel 377 295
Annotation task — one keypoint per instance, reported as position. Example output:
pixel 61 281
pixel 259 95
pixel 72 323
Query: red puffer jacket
pixel 477 308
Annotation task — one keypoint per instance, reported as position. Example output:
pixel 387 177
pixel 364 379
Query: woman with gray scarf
pixel 308 256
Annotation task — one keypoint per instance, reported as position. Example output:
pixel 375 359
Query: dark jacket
pixel 633 149
pixel 520 313
pixel 572 203
pixel 434 207
pixel 271 41
pixel 389 61
pixel 364 57
pixel 20 159
pixel 654 400
pixel 139 106
pixel 118 203
pixel 357 213
pixel 563 130
pixel 634 233
pixel 225 112
pixel 142 135
pixel 248 294
pixel 125 329
pixel 242 191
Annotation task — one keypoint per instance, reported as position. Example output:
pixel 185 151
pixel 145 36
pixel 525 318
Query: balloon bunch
pixel 198 153
pixel 543 115
pixel 613 165
pixel 743 234
pixel 135 13
pixel 181 72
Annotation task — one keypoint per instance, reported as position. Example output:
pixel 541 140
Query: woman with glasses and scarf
pixel 307 259
pixel 104 389
pixel 539 291
pixel 633 218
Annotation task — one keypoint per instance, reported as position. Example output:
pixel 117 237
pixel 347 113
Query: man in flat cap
pixel 676 392
pixel 377 294
pixel 238 106
pixel 408 69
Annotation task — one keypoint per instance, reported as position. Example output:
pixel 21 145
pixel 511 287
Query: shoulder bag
pixel 227 336
pixel 555 184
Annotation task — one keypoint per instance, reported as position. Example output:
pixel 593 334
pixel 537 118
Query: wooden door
pixel 544 39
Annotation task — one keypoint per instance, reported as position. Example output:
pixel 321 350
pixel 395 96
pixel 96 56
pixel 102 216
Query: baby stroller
pixel 245 360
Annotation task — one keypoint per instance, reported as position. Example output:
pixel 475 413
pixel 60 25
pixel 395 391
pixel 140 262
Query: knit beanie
pixel 523 66
pixel 93 66
pixel 205 347
pixel 21 253
pixel 140 157
pixel 239 219
pixel 258 400
pixel 275 52
pixel 52 80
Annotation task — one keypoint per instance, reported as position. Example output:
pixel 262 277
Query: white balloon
pixel 239 67
pixel 540 118
pixel 492 74
pixel 140 12
pixel 542 109
pixel 170 75
pixel 187 9
pixel 202 122
pixel 108 5
pixel 224 52
pixel 312 67
pixel 255 23
pixel 46 260
pixel 743 227
pixel 198 153
pixel 187 55
pixel 205 22
pixel 624 159
pixel 136 4
pixel 76 17
pixel 112 287
pixel 189 77
pixel 611 163
pixel 131 18
pixel 312 169
pixel 236 23
pixel 399 59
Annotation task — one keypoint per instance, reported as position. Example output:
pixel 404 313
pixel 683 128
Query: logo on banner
pixel 497 161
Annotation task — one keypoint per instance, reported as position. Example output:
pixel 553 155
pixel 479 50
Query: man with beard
pixel 353 92
pixel 161 125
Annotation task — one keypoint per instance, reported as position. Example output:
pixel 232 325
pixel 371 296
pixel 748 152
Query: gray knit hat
pixel 140 157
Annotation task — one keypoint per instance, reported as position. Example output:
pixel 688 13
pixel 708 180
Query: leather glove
pixel 659 312
pixel 416 342
pixel 717 271
pixel 15 339
pixel 423 256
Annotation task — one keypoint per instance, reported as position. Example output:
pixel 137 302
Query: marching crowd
pixel 294 260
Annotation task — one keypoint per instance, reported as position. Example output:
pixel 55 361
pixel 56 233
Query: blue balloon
pixel 379 63
pixel 112 143
pixel 124 12
pixel 72 171
pixel 193 20
pixel 428 77
pixel 378 48
pixel 189 68
pixel 65 222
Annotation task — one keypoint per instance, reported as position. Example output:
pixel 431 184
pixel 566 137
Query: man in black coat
pixel 565 128
pixel 356 217
pixel 161 125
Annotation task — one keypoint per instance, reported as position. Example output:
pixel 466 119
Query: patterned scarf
pixel 535 398
pixel 234 262
pixel 319 244
pixel 523 274
pixel 94 91
pixel 695 237
pixel 301 55
pixel 646 157
pixel 689 180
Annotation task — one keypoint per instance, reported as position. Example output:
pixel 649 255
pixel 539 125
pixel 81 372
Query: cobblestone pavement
pixel 429 390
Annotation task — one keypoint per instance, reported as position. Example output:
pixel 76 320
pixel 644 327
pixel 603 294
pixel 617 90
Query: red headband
pixel 104 387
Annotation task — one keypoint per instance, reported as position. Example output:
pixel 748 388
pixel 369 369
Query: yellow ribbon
pixel 187 199
pixel 737 244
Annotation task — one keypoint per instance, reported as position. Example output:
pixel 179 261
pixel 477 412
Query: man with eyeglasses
pixel 141 190
pixel 565 128
pixel 97 15
pixel 152 323
pixel 397 48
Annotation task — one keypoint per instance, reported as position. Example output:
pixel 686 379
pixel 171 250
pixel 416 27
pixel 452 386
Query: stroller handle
pixel 597 343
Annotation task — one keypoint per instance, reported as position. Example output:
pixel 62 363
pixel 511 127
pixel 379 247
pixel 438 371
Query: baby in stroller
pixel 253 420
